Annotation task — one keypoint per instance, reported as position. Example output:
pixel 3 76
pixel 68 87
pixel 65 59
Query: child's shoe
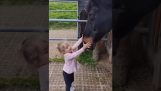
pixel 72 88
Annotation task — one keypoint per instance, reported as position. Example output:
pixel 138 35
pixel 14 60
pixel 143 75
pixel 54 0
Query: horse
pixel 100 20
pixel 133 12
pixel 97 26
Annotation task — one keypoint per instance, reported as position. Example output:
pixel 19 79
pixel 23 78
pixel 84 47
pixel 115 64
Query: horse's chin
pixel 87 40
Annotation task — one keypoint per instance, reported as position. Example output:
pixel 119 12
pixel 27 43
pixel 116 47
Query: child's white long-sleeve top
pixel 70 65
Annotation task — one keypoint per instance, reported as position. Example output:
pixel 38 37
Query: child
pixel 35 52
pixel 70 65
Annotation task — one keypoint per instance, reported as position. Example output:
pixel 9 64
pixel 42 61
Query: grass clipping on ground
pixel 84 59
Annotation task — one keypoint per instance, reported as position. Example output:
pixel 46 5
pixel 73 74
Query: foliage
pixel 62 15
pixel 62 6
pixel 30 82
pixel 86 58
pixel 56 60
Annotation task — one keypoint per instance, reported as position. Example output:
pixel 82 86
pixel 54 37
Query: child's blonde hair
pixel 62 46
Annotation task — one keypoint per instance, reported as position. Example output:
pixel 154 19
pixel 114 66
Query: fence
pixel 66 20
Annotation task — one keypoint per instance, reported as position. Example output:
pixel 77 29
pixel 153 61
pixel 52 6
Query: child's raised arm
pixel 78 52
pixel 77 43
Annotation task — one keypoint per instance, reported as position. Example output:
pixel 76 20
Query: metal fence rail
pixel 24 29
pixel 63 1
pixel 66 20
pixel 63 39
pixel 68 39
pixel 62 10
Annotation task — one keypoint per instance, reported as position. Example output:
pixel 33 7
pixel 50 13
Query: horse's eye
pixel 91 13
pixel 92 18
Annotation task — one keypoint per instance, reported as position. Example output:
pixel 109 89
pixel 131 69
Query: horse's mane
pixel 92 3
pixel 98 4
pixel 89 5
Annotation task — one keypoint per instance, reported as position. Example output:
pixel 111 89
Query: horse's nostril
pixel 84 42
pixel 88 39
pixel 94 29
pixel 91 48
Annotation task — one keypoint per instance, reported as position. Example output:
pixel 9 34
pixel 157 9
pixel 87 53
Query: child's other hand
pixel 87 45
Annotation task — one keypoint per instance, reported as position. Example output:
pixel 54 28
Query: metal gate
pixel 66 20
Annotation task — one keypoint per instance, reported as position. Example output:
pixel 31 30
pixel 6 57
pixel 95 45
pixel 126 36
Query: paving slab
pixel 87 78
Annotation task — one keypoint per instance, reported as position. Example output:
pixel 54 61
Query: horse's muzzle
pixel 89 39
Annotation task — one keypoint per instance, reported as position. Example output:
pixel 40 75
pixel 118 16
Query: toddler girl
pixel 70 53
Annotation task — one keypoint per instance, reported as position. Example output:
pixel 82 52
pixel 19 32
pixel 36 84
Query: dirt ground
pixel 53 52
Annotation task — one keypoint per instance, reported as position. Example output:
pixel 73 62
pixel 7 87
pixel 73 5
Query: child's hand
pixel 82 36
pixel 87 45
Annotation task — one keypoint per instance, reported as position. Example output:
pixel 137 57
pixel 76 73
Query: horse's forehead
pixel 100 3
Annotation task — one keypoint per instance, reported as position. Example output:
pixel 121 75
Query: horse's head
pixel 99 20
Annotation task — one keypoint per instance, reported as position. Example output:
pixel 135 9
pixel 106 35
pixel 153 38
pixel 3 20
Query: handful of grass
pixel 86 58
pixel 56 59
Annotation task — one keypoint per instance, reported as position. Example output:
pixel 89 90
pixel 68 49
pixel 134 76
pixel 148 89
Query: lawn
pixel 62 15
pixel 17 82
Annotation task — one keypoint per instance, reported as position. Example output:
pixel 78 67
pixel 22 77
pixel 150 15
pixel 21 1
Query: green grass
pixel 86 58
pixel 30 82
pixel 62 6
pixel 56 60
pixel 62 15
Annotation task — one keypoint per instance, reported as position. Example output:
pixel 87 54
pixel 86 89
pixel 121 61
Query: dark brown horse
pixel 100 20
